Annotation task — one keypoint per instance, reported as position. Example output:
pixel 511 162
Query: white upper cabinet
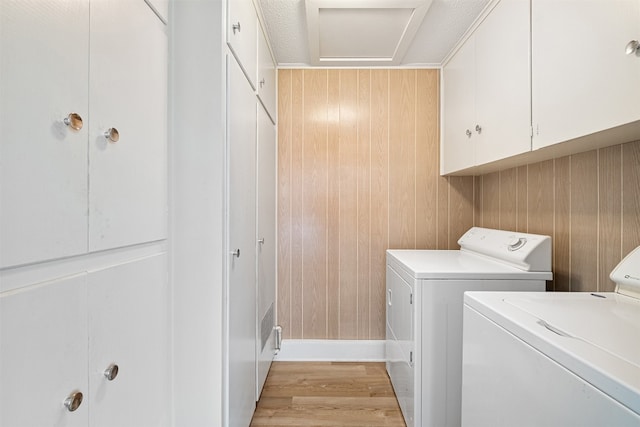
pixel 71 70
pixel 44 74
pixel 458 142
pixel 486 98
pixel 128 93
pixel 266 76
pixel 582 79
pixel 503 96
pixel 242 37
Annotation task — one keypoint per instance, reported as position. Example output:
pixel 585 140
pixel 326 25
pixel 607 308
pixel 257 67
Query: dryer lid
pixel 626 275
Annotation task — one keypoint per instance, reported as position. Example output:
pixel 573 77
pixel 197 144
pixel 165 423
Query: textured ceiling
pixel 445 23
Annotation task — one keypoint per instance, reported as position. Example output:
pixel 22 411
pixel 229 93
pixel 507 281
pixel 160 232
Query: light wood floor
pixel 327 394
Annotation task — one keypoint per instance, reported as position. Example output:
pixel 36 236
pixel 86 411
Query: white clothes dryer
pixel 554 359
pixel 424 313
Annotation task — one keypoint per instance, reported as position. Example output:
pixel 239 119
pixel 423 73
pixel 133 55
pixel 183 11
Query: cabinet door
pixel 503 96
pixel 266 76
pixel 242 37
pixel 129 327
pixel 241 291
pixel 582 80
pixel 266 209
pixel 43 354
pixel 43 167
pixel 128 92
pixel 459 138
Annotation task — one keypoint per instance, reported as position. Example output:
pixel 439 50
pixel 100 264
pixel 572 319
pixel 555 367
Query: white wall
pixel 197 208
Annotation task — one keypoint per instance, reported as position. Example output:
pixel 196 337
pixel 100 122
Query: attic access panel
pixel 362 32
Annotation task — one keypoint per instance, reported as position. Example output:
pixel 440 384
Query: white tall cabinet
pixel 251 145
pixel 83 214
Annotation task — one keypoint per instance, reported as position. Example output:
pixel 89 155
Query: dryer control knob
pixel 516 243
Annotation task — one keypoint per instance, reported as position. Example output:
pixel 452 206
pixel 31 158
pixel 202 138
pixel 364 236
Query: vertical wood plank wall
pixel 589 203
pixel 358 173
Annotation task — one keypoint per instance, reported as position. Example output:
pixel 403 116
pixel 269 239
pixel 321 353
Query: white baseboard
pixel 331 351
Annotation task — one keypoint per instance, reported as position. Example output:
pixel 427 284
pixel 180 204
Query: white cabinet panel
pixel 241 311
pixel 266 76
pixel 128 84
pixel 129 327
pixel 503 95
pixel 266 232
pixel 43 168
pixel 487 99
pixel 43 350
pixel 458 136
pixel 582 80
pixel 242 36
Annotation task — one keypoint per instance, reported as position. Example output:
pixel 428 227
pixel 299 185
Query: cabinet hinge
pixel 410 298
pixel 411 357
pixel 531 132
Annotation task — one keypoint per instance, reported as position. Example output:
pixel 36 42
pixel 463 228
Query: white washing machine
pixel 554 359
pixel 424 313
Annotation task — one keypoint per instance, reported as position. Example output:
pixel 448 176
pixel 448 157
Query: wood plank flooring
pixel 327 394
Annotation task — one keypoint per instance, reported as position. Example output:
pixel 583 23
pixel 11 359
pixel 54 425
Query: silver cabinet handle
pixel 73 401
pixel 468 133
pixel 112 135
pixel 74 121
pixel 111 372
pixel 261 241
pixel 478 129
pixel 236 27
pixel 236 253
pixel 632 47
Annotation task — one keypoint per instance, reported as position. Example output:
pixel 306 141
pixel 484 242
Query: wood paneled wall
pixel 358 173
pixel 589 203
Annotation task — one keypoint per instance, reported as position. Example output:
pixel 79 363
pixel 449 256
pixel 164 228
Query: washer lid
pixel 457 265
pixel 594 335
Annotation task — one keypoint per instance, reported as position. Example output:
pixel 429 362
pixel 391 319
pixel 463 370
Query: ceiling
pixel 366 33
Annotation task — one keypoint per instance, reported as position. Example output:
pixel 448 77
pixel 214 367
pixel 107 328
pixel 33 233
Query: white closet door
pixel 43 354
pixel 241 292
pixel 266 281
pixel 128 90
pixel 43 163
pixel 129 327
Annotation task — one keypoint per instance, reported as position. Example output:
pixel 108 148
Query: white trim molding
pixel 331 351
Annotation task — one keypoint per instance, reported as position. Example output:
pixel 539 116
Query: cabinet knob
pixel 236 27
pixel 262 82
pixel 74 121
pixel 73 401
pixel 478 129
pixel 468 132
pixel 111 372
pixel 633 47
pixel 236 253
pixel 112 135
pixel 261 241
